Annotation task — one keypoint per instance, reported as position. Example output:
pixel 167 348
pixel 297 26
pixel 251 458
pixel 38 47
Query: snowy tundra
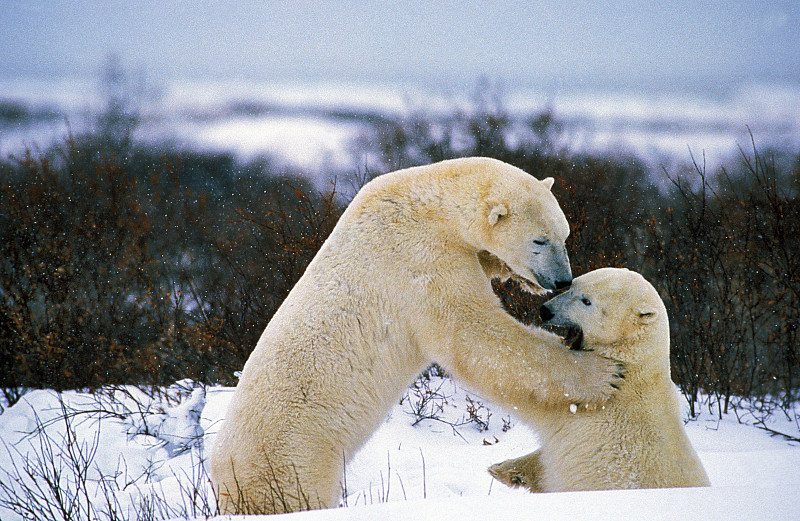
pixel 428 460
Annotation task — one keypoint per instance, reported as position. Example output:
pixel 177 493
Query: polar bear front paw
pixel 524 472
pixel 601 379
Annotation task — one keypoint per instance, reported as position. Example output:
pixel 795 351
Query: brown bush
pixel 120 272
pixel 253 264
pixel 160 266
pixel 80 295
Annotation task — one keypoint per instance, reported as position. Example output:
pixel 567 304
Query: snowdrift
pixel 428 461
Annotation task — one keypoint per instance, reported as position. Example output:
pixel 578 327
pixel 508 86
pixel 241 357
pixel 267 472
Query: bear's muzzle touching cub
pixel 403 280
pixel 637 440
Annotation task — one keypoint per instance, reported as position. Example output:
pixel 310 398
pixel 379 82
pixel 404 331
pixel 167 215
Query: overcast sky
pixel 617 42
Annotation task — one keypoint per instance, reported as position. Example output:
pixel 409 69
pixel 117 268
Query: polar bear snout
pixel 548 262
pixel 553 284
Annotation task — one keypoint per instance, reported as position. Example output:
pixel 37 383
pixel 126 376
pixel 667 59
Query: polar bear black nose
pixel 545 313
pixel 561 284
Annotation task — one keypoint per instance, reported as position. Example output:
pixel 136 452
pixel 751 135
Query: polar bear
pixel 637 440
pixel 402 280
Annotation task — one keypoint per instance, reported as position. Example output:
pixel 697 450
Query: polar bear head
pixel 523 231
pixel 615 312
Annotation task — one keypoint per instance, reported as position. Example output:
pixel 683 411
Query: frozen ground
pixel 136 450
pixel 312 126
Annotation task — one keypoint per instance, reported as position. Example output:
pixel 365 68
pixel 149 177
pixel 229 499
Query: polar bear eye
pixel 586 301
pixel 540 242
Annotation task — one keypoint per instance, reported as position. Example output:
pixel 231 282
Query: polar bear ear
pixel 548 182
pixel 497 211
pixel 646 315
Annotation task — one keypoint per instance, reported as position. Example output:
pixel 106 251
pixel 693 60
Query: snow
pixel 300 124
pixel 310 144
pixel 149 448
pixel 708 504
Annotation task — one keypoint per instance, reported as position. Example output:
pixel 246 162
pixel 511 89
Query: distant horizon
pixel 311 121
pixel 452 82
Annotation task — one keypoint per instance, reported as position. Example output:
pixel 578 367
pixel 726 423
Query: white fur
pixel 403 280
pixel 637 440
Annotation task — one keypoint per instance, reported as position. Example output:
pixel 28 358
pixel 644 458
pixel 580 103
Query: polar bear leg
pixel 277 488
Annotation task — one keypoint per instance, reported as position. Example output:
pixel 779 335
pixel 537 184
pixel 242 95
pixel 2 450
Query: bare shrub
pixel 144 269
pixel 81 297
pixel 57 476
pixel 268 240
pixel 720 254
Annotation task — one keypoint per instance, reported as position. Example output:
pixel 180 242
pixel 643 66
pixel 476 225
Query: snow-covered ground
pixel 312 125
pixel 135 450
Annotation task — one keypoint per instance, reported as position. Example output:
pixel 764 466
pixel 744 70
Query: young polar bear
pixel 637 440
pixel 403 280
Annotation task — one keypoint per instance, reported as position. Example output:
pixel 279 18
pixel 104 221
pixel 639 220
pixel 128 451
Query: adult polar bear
pixel 403 280
pixel 637 440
